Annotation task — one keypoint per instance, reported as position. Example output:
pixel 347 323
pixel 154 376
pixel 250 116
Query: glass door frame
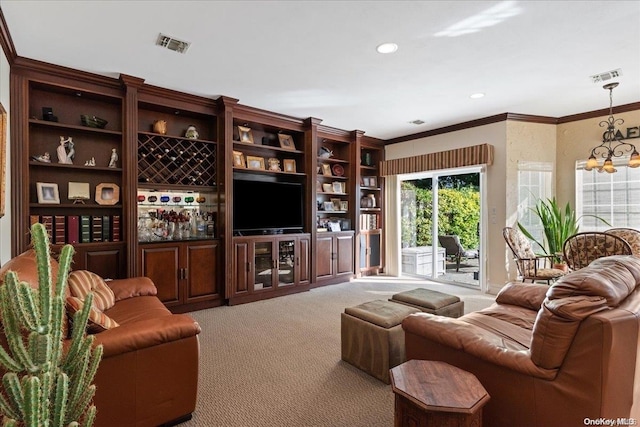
pixel 434 175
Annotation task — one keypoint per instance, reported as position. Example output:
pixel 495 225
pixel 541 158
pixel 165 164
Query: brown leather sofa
pixel 548 356
pixel 148 375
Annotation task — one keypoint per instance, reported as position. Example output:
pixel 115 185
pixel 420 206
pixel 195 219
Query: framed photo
pixel 328 206
pixel 286 141
pixel 79 191
pixel 107 193
pixel 255 162
pixel 373 181
pixel 334 226
pixel 327 188
pixel 48 193
pixel 326 169
pixel 245 135
pixel 238 160
pixel 344 205
pixel 344 187
pixel 289 165
pixel 336 204
pixel 318 186
pixel 336 187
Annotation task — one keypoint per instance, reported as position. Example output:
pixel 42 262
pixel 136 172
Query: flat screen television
pixel 267 207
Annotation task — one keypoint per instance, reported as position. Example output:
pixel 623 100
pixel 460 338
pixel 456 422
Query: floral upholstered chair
pixel 631 235
pixel 582 248
pixel 530 266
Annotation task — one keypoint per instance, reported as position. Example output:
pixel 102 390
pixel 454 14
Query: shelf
pixel 344 178
pixel 332 212
pixel 73 205
pixel 182 138
pixel 371 168
pixel 331 193
pixel 332 160
pixel 370 188
pixel 260 147
pixel 73 127
pixel 268 172
pixel 370 209
pixel 67 166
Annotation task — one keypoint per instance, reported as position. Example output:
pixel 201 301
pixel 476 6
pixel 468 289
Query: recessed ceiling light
pixel 477 95
pixel 387 48
pixel 417 122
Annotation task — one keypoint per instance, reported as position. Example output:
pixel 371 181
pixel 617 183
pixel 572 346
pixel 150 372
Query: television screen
pixel 267 206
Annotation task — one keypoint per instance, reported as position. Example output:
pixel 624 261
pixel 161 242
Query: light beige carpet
pixel 277 362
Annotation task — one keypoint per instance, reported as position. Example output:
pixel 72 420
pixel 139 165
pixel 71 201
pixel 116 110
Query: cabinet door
pixel 304 249
pixel 201 270
pixel 287 269
pixel 161 265
pixel 107 262
pixel 264 264
pixel 241 266
pixel 324 256
pixel 344 254
pixel 375 254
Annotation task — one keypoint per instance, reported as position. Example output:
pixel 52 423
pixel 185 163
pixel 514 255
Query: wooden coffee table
pixel 431 393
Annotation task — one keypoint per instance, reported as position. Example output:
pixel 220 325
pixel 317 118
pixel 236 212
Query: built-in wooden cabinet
pixel 280 198
pixel 268 266
pixel 185 273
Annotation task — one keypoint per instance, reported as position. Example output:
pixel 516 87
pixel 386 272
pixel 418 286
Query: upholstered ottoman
pixel 372 336
pixel 431 302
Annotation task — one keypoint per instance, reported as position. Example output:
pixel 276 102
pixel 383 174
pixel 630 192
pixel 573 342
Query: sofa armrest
pixel 524 295
pixel 132 287
pixel 146 333
pixel 468 338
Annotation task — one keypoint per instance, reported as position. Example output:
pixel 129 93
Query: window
pixel 613 197
pixel 534 183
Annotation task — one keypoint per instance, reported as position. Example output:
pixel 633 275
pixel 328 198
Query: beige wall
pixel 575 141
pixel 5 221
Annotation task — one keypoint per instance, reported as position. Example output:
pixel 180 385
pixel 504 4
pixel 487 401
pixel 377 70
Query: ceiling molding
pixel 6 42
pixel 599 113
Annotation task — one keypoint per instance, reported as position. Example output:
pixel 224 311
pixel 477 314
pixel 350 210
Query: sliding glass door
pixel 440 226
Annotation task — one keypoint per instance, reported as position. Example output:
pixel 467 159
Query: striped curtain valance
pixel 468 156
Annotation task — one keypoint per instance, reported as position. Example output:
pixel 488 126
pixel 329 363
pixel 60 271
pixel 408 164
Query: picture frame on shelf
pixel 344 205
pixel 245 135
pixel 79 192
pixel 289 165
pixel 373 181
pixel 327 188
pixel 344 187
pixel 336 204
pixel 328 206
pixel 107 193
pixel 336 187
pixel 334 226
pixel 48 193
pixel 286 141
pixel 239 160
pixel 318 186
pixel 256 163
pixel 326 169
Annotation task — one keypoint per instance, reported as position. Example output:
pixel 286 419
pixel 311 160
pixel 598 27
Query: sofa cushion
pixel 81 282
pixel 523 295
pixel 97 322
pixel 137 309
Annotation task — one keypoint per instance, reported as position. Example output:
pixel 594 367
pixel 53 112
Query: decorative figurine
pixel 90 162
pixel 274 164
pixel 160 126
pixel 114 158
pixel 72 151
pixel 191 132
pixel 44 158
pixel 62 151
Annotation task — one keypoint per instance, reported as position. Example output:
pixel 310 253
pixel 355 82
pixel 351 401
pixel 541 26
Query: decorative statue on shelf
pixel 114 158
pixel 191 132
pixel 72 151
pixel 274 165
pixel 62 151
pixel 44 158
pixel 90 162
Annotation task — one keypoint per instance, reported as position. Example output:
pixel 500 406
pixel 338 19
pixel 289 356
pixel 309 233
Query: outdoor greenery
pixel 45 385
pixel 458 212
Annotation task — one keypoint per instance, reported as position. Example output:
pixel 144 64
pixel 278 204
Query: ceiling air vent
pixel 603 77
pixel 417 122
pixel 172 43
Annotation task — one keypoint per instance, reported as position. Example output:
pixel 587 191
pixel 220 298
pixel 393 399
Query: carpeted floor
pixel 277 362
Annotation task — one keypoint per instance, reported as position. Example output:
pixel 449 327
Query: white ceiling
pixel 315 58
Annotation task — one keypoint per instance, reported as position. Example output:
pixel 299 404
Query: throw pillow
pixel 81 282
pixel 97 322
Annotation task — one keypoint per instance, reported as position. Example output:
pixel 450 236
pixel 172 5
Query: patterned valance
pixel 468 156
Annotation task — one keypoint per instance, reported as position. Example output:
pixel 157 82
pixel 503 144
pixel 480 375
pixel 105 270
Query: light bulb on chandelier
pixel 612 143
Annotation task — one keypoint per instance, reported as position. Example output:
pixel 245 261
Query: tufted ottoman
pixel 433 302
pixel 372 336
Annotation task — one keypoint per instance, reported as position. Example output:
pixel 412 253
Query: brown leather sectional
pixel 548 356
pixel 149 372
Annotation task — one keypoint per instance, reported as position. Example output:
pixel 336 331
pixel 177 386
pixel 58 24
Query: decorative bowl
pixel 93 121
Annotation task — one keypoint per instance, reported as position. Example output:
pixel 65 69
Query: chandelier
pixel 612 143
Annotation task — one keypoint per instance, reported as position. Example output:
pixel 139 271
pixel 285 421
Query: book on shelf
pixel 73 229
pixel 106 228
pixel 85 229
pixel 47 221
pixel 115 228
pixel 59 230
pixel 96 228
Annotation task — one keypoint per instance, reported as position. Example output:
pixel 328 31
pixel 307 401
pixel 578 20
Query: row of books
pixel 368 221
pixel 72 229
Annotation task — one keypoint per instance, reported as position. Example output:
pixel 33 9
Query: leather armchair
pixel 548 356
pixel 148 375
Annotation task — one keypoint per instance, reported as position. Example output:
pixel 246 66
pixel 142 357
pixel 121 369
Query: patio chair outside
pixel 453 248
pixel 582 248
pixel 530 266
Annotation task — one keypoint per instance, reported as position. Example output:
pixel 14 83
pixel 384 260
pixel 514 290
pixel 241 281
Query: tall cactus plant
pixel 43 384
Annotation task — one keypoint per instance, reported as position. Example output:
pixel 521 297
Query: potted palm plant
pixel 559 224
